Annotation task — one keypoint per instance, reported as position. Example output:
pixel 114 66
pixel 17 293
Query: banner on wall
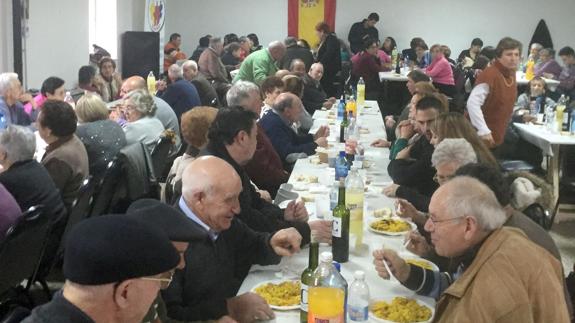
pixel 303 15
pixel 155 18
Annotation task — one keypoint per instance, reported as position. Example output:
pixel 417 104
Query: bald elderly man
pixel 503 276
pixel 207 287
pixel 314 96
pixel 287 109
pixel 164 112
pixel 261 64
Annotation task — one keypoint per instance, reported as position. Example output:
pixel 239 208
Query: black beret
pixel 114 248
pixel 174 223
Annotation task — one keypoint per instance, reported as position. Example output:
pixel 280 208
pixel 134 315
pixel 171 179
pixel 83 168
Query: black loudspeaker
pixel 140 53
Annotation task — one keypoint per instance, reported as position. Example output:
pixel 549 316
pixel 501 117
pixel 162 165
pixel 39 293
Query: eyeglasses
pixel 164 282
pixel 438 178
pixel 435 222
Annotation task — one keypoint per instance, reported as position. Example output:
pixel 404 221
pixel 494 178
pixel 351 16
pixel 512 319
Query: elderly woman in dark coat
pixel 24 178
pixel 329 55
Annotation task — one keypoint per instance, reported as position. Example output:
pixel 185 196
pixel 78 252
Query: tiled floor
pixel 564 235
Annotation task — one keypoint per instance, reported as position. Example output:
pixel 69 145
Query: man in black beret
pixel 114 267
pixel 221 250
pixel 179 230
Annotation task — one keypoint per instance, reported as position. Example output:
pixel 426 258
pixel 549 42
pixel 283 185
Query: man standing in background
pixel 361 30
pixel 491 102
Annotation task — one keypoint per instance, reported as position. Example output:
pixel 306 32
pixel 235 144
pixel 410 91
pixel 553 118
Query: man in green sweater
pixel 261 64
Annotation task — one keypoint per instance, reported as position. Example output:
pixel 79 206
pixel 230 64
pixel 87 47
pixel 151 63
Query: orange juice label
pixel 317 319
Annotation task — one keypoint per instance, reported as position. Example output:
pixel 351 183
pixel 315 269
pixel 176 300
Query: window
pixel 103 25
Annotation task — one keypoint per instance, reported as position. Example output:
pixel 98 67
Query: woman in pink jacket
pixel 440 71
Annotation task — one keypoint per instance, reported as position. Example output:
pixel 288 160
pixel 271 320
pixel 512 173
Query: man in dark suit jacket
pixel 207 93
pixel 360 31
pixel 232 137
pixel 294 51
pixel 181 95
pixel 265 167
pixel 277 124
pixel 221 248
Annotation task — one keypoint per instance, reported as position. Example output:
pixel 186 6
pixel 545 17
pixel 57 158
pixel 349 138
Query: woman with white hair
pixel 139 108
pixel 27 180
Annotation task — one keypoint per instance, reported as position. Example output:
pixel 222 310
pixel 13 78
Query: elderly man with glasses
pixel 495 280
pixel 448 156
pixel 114 267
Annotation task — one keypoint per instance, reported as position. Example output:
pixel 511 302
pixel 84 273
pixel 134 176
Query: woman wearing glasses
pixel 139 109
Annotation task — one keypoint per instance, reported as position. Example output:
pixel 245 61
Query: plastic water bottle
pixel 2 121
pixel 341 109
pixel 151 81
pixel 341 166
pixel 406 66
pixel 333 195
pixel 572 131
pixel 69 99
pixel 358 301
pixel 354 197
pixel 549 118
pixel 360 92
pixel 352 129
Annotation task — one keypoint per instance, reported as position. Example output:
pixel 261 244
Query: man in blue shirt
pixel 277 123
pixel 11 110
pixel 181 95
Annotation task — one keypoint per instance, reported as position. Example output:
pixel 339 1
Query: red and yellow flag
pixel 303 15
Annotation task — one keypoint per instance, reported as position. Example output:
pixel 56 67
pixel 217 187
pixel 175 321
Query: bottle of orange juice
pixel 326 294
pixel 351 106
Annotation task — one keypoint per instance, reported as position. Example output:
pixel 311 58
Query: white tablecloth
pixel 521 80
pixel 392 76
pixel 520 77
pixel 361 259
pixel 543 138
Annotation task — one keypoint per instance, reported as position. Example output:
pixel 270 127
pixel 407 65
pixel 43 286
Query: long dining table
pixel 519 77
pixel 360 258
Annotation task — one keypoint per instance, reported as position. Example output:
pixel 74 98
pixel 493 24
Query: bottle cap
pixel 326 256
pixel 337 265
pixel 342 154
pixel 359 275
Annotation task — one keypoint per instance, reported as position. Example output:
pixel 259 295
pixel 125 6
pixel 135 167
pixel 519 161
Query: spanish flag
pixel 303 15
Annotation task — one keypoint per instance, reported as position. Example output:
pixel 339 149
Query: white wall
pixel 450 22
pixel 6 48
pixel 196 18
pixel 130 18
pixel 57 41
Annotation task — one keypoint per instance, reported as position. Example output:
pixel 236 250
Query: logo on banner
pixel 309 3
pixel 156 14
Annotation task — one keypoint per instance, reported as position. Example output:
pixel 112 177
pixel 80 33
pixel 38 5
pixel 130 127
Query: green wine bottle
pixel 343 127
pixel 306 279
pixel 340 228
